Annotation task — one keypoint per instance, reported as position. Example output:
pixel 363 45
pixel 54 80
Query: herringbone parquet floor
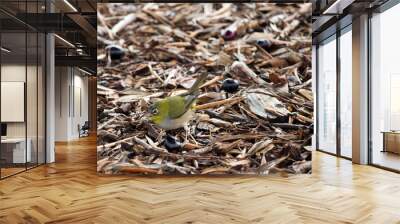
pixel 70 191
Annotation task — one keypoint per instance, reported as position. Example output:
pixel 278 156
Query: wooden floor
pixel 70 191
pixel 10 171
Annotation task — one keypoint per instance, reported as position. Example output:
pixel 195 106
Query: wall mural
pixel 189 89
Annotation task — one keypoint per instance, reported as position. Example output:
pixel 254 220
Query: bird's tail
pixel 194 89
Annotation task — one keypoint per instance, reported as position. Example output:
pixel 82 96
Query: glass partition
pixel 34 64
pixel 13 94
pixel 22 77
pixel 327 95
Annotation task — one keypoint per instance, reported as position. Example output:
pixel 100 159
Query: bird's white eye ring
pixel 154 110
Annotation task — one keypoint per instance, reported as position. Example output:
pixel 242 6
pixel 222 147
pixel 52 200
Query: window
pixel 327 95
pixel 346 93
pixel 385 89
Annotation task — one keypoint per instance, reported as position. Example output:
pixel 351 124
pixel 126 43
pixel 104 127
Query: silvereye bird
pixel 176 111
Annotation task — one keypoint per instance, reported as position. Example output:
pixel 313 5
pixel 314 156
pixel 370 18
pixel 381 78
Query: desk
pixel 13 150
pixel 391 141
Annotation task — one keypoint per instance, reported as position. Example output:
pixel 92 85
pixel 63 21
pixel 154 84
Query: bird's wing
pixel 176 106
pixel 179 105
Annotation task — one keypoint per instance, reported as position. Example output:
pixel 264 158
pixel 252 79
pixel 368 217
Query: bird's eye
pixel 154 110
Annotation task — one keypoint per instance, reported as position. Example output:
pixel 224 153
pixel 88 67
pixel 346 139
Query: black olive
pixel 171 143
pixel 131 155
pixel 264 43
pixel 103 83
pixel 230 85
pixel 280 119
pixel 102 115
pixel 229 34
pixel 126 146
pixel 116 52
pixel 119 110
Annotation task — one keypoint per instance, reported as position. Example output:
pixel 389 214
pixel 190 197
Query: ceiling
pixel 72 20
pixel 331 15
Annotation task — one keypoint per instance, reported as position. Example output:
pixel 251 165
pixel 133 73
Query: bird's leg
pixel 194 139
pixel 187 133
pixel 162 134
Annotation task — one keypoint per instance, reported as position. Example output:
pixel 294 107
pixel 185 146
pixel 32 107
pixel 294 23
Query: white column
pixel 360 90
pixel 50 99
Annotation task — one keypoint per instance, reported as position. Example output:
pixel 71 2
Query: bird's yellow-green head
pixel 158 112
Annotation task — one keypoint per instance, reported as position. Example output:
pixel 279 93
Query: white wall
pixel 33 127
pixel 62 81
pixel 70 83
pixel 80 109
pixel 14 72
